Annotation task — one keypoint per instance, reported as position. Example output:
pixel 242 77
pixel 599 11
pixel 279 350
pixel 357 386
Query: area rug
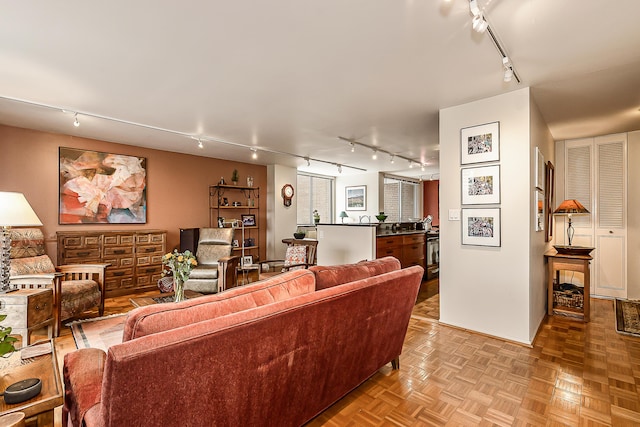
pixel 628 317
pixel 100 332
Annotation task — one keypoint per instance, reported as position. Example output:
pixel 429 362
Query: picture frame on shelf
pixel 249 242
pixel 480 144
pixel 220 222
pixel 540 166
pixel 480 185
pixel 356 198
pixel 235 243
pixel 248 220
pixel 481 227
pixel 247 260
pixel 539 205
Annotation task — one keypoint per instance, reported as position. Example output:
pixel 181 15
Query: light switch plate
pixel 454 214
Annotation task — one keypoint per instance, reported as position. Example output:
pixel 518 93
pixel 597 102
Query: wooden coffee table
pixel 38 410
pixel 142 301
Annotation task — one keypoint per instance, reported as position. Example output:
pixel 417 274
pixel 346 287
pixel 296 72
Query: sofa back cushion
pixel 213 244
pixel 329 276
pixel 160 317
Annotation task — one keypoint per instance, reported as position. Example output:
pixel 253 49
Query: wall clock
pixel 287 194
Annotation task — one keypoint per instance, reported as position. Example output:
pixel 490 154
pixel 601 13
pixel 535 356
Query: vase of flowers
pixel 181 264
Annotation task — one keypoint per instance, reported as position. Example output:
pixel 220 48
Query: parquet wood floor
pixel 575 374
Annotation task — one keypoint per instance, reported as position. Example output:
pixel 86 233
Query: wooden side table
pixel 248 274
pixel 579 263
pixel 28 310
pixel 39 410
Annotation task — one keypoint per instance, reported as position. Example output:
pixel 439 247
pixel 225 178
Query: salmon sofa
pixel 273 353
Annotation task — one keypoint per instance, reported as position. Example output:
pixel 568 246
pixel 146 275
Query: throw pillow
pixel 296 254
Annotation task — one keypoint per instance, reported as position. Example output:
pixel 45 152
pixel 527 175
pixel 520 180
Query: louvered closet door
pixel 610 216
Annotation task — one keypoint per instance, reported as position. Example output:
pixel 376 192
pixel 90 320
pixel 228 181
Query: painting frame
pixel 355 198
pixel 248 220
pixel 475 183
pixel 480 143
pixel 540 209
pixel 540 170
pixel 96 187
pixel 478 236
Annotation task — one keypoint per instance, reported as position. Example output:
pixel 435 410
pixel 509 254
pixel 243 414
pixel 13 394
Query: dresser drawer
pixel 148 259
pixel 412 238
pixel 415 250
pixel 388 241
pixel 119 261
pixel 118 250
pixel 82 253
pixel 150 238
pixel 150 249
pixel 80 241
pixel 389 251
pixel 119 272
pixel 115 283
pixel 118 239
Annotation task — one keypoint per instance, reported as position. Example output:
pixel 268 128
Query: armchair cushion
pixel 295 255
pixel 208 271
pixel 32 265
pixel 79 296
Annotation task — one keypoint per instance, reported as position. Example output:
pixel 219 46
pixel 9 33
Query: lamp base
pixel 5 252
pixel 573 250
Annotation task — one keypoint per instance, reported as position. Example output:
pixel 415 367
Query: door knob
pixel 610 231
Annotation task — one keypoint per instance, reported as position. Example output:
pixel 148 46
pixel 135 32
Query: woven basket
pixel 568 299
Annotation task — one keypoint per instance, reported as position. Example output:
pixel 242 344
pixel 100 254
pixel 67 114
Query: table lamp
pixel 343 215
pixel 571 207
pixel 15 211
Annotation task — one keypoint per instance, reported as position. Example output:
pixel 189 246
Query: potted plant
pixel 316 216
pixel 6 340
pixel 234 177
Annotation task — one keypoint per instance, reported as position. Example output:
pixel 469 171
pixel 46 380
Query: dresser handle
pixel 150 249
pixel 119 273
pixel 38 307
pixel 119 251
pixel 83 253
pixel 150 270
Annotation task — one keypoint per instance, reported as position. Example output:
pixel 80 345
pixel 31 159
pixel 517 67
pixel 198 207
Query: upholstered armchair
pixel 217 268
pixel 76 288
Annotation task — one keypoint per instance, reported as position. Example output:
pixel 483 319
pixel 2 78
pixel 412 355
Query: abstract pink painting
pixel 97 188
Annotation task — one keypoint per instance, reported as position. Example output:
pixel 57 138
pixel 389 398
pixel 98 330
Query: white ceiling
pixel 291 76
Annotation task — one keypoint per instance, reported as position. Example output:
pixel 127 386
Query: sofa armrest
pixel 228 271
pixel 83 372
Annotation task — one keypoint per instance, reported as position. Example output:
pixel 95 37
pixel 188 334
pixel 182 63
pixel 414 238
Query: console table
pixel 578 263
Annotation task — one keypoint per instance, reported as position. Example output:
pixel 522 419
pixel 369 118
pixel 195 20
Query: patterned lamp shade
pixel 571 206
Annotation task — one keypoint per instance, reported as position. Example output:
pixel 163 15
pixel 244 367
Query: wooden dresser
pixel 135 256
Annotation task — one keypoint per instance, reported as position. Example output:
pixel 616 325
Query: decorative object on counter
pixel 115 193
pixel 181 264
pixel 249 181
pixel 480 143
pixel 356 198
pixel 570 207
pixel 234 177
pixel 15 211
pixel 481 227
pixel 287 194
pixel 299 234
pixel 381 216
pixel 481 185
pixel 316 216
pixel 343 215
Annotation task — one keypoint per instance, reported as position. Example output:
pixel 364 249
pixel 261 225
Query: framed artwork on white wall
pixel 479 144
pixel 481 227
pixel 481 185
pixel 539 169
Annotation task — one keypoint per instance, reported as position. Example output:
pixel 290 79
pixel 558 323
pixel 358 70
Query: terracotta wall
pixel 431 200
pixel 177 184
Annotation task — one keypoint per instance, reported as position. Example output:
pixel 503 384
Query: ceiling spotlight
pixel 308 161
pixel 392 161
pixel 76 123
pixel 508 69
pixel 410 164
pixel 254 154
pixel 374 156
pixel 479 24
pixel 339 168
pixel 353 147
pixel 422 167
pixel 200 143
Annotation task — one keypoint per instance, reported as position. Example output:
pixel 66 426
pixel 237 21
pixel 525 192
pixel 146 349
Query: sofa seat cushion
pixel 329 276
pixel 31 265
pixel 208 271
pixel 78 296
pixel 160 317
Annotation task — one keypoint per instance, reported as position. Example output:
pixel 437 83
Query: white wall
pixel 373 183
pixel 633 219
pixel 486 289
pixel 345 244
pixel 281 220
pixel 541 138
